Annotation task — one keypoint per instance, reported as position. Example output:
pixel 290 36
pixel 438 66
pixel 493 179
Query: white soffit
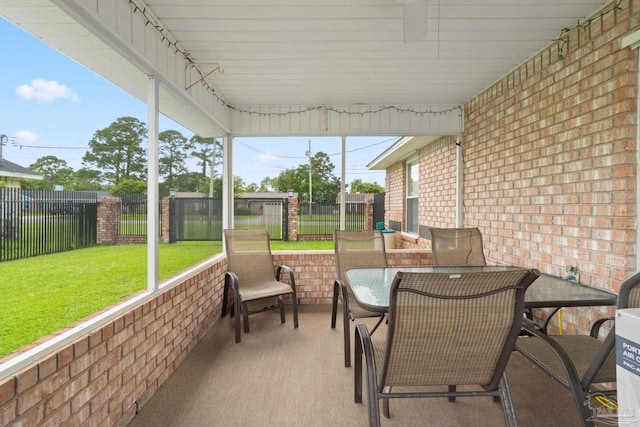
pixel 400 150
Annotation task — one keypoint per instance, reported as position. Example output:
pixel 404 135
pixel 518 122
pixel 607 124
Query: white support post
pixel 459 183
pixel 153 199
pixel 227 182
pixel 343 192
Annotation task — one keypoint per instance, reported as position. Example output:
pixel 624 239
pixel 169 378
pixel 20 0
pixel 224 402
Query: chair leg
pixel 281 305
pixel 236 303
pixel 294 306
pixel 245 315
pixel 347 339
pixel 507 403
pixel 225 296
pixel 385 403
pixel 334 304
pixel 452 389
pixel 363 345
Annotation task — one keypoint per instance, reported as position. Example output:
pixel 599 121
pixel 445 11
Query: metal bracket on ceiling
pixel 204 76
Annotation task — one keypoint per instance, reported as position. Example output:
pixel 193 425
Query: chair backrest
pixel 457 247
pixel 628 297
pixel 358 249
pixel 453 329
pixel 249 254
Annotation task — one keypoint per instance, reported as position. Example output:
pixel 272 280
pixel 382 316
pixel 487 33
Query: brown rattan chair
pixel 439 334
pixel 454 247
pixel 580 362
pixel 250 276
pixel 354 249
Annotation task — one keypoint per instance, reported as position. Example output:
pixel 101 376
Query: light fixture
pixel 173 192
pixel 290 194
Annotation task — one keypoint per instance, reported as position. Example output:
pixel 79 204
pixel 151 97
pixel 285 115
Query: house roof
pixel 11 170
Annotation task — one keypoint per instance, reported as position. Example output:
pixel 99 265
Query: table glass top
pixel 371 287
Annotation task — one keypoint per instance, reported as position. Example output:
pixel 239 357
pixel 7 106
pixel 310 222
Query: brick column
pixel 368 212
pixel 108 220
pixel 164 236
pixel 293 218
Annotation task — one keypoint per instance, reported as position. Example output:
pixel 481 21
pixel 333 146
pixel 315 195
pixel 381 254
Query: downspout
pixel 459 183
pixel 343 194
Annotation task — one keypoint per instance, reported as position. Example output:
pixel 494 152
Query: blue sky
pixel 51 105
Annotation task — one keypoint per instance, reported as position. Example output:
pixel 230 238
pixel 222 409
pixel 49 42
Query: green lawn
pixel 43 294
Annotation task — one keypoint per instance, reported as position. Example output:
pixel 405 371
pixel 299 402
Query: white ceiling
pixel 319 52
pixel 333 52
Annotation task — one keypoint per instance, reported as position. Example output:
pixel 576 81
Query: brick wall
pixel 106 376
pixel 103 377
pixel 550 156
pixel 550 167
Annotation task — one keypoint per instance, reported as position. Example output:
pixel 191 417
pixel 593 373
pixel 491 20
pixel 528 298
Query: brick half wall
pixel 107 375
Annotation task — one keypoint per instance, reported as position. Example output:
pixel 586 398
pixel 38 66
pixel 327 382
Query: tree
pixel 87 179
pixel 238 187
pixel 325 185
pixel 55 172
pixel 357 186
pixel 129 186
pixel 204 150
pixel 118 150
pixel 174 150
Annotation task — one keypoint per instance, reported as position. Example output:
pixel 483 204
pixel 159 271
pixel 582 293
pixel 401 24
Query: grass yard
pixel 43 294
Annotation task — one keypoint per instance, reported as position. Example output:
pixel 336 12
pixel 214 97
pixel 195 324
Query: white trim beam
pixel 153 189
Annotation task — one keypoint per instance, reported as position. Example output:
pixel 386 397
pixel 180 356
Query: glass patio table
pixel 371 288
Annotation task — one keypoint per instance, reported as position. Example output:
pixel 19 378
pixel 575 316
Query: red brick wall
pixel 550 167
pixel 395 183
pixel 437 204
pixel 103 377
pixel 550 156
pixel 106 376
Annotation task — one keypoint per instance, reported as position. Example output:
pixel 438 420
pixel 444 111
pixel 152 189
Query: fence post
pixel 170 219
pixel 108 218
pixel 368 209
pixel 292 218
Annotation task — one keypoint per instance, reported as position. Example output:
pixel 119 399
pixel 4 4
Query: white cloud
pixel 24 136
pixel 267 156
pixel 42 90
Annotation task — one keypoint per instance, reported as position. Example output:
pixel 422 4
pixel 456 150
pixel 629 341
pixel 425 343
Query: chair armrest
pixel 595 328
pixel 286 269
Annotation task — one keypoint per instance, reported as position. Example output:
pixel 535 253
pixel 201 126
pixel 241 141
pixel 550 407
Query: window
pixel 413 185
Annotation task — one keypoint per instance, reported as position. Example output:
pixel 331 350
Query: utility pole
pixel 3 139
pixel 308 153
pixel 213 165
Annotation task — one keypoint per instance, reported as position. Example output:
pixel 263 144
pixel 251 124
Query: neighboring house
pixel 257 202
pixel 12 174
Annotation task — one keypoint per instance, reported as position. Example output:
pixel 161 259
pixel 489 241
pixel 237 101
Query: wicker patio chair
pixel 580 362
pixel 354 249
pixel 250 276
pixel 439 334
pixel 454 247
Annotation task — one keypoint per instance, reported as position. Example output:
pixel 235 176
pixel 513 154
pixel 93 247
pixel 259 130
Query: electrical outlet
pixel 571 273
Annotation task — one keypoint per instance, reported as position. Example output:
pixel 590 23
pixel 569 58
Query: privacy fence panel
pixel 38 222
pixel 195 219
pixel 322 219
pixel 133 215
